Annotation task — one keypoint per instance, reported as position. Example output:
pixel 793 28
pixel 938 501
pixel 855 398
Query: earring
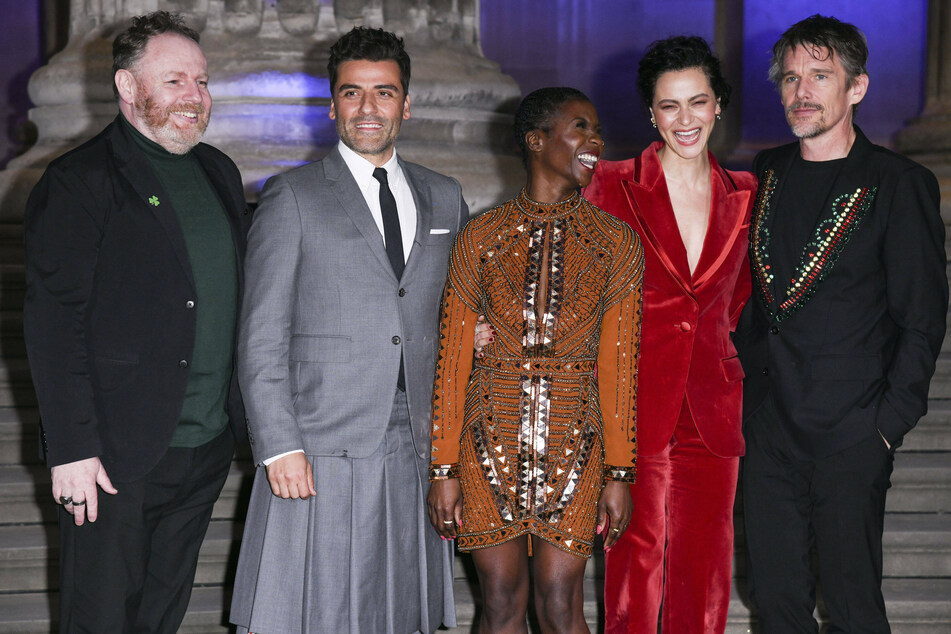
pixel 718 116
pixel 653 123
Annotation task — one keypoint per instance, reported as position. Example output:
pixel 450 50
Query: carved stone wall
pixel 267 60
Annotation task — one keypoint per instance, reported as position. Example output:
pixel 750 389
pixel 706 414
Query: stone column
pixel 728 46
pixel 268 65
pixel 928 136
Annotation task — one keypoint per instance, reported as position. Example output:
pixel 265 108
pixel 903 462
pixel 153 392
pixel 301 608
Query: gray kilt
pixel 359 557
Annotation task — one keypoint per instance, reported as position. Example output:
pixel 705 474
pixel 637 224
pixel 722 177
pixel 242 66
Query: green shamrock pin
pixel 154 200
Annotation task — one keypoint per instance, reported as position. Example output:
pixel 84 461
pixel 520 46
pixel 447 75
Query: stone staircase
pixel 917 537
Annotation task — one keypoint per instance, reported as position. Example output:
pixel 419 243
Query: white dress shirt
pixel 362 171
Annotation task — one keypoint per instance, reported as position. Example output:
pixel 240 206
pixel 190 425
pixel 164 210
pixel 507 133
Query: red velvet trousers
pixel 683 503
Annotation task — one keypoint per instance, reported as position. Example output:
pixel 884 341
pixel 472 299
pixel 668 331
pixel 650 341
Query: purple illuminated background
pixel 594 45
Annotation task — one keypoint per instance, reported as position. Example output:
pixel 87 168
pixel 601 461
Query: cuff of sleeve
pixel 620 474
pixel 273 459
pixel 443 471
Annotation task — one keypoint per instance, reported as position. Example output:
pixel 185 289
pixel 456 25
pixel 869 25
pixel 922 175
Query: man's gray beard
pixel 174 141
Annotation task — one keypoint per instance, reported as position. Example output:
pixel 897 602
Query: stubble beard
pixel 351 137
pixel 806 130
pixel 158 120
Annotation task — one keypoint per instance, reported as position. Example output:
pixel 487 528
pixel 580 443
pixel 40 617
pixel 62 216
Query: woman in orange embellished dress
pixel 534 442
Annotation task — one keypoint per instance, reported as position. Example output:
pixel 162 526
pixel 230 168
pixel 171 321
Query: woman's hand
pixel 614 512
pixel 484 335
pixel 445 506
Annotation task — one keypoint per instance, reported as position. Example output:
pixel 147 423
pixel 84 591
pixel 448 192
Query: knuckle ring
pixel 65 499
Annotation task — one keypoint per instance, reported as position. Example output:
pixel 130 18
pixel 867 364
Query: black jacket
pixel 852 348
pixel 110 310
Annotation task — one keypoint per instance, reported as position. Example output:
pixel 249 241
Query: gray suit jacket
pixel 324 319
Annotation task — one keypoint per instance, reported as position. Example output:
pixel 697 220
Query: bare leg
pixel 559 591
pixel 503 581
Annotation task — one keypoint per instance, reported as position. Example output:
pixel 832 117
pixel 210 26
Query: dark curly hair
pixel 680 53
pixel 838 38
pixel 375 45
pixel 537 109
pixel 128 47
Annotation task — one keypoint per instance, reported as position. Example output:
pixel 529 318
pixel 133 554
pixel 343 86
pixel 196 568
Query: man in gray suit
pixel 346 262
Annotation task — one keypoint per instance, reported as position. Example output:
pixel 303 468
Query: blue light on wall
pixel 594 45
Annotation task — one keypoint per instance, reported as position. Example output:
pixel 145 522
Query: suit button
pixel 402 292
pixel 396 340
pixel 765 371
pixel 685 326
pixel 189 304
pixel 774 330
pixel 183 363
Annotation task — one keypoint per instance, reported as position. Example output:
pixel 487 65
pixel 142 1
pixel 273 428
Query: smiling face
pixel 565 155
pixel 685 110
pixel 816 94
pixel 369 105
pixel 165 95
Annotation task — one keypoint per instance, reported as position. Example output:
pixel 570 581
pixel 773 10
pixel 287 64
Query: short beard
pixel 176 141
pixel 806 130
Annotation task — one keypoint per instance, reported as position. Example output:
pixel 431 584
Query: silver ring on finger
pixel 447 521
pixel 65 500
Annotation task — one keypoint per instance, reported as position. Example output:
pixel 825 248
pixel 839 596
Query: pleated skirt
pixel 359 557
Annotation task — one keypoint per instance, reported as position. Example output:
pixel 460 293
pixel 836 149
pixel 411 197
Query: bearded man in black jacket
pixel 133 249
pixel 839 340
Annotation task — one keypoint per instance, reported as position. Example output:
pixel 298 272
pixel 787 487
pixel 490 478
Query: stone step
pixel 19 435
pixel 941 382
pixel 29 556
pixel 25 494
pixel 915 606
pixel 921 483
pixel 933 431
pixel 36 612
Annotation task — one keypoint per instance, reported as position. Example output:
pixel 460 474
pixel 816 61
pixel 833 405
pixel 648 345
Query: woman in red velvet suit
pixel 693 219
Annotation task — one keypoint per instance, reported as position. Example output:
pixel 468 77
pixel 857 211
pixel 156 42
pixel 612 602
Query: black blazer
pixel 852 348
pixel 109 317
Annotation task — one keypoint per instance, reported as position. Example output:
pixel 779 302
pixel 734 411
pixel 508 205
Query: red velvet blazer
pixel 686 348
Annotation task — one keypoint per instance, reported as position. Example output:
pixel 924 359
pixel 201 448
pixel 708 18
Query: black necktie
pixel 394 243
pixel 391 224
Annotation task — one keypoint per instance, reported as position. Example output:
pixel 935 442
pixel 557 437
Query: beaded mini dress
pixel 535 427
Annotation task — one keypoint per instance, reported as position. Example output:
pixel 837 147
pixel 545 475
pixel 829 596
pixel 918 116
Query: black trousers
pixel 132 569
pixel 835 504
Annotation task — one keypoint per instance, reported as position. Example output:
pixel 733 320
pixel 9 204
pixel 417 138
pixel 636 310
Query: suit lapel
pixel 650 205
pixel 422 196
pixel 136 169
pixel 727 218
pixel 351 200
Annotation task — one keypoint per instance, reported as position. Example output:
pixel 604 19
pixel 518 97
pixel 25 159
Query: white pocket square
pixel 435 232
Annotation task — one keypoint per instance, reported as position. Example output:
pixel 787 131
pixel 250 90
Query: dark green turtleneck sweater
pixel 214 269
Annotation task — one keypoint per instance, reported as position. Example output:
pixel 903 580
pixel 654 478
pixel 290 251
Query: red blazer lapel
pixel 727 219
pixel 654 217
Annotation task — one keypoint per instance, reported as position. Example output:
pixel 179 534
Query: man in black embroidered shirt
pixel 838 341
pixel 133 250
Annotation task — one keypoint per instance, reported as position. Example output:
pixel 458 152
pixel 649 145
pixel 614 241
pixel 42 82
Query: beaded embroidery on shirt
pixel 819 254
pixel 759 238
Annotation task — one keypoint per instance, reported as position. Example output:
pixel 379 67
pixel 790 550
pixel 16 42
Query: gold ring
pixel 616 530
